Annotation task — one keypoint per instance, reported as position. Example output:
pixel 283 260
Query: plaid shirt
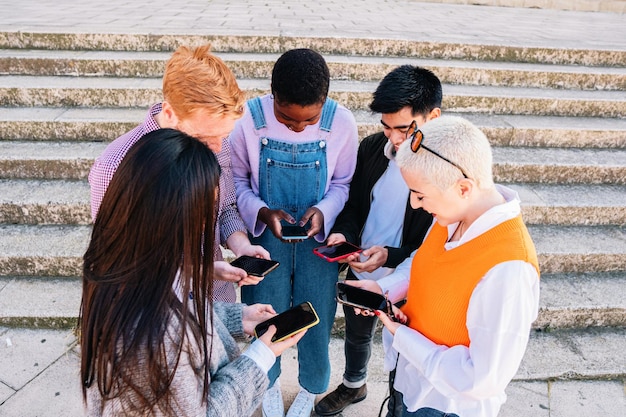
pixel 229 221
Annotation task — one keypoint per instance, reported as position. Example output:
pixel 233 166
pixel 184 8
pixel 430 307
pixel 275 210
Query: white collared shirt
pixel 468 381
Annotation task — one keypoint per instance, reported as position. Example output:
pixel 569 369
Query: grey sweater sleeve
pixel 237 385
pixel 231 314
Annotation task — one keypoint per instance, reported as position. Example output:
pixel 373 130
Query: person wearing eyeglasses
pixel 472 288
pixel 406 95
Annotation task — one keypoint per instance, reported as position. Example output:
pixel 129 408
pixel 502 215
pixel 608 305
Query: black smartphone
pixel 336 252
pixel 289 322
pixel 257 267
pixel 293 232
pixel 360 298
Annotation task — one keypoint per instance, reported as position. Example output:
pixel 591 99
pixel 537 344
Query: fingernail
pixel 377 312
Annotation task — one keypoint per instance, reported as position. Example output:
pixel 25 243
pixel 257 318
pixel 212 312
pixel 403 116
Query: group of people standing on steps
pixel 160 328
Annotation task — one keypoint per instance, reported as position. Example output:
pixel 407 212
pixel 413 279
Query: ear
pixel 465 188
pixel 168 118
pixel 434 113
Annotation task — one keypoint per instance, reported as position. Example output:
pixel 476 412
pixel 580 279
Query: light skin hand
pixel 391 325
pixel 279 347
pixel 239 243
pixel 255 314
pixel 337 238
pixel 377 256
pixel 224 271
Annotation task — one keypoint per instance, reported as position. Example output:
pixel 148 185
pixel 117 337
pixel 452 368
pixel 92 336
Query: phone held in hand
pixel 257 267
pixel 294 232
pixel 360 298
pixel 289 322
pixel 336 252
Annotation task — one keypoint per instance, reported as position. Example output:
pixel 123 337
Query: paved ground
pixel 392 19
pixel 38 369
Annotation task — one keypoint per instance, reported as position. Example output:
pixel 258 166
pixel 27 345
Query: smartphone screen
pixel 294 232
pixel 360 298
pixel 336 252
pixel 289 322
pixel 257 267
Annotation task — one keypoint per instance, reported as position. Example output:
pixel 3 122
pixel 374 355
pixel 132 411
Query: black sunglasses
pixel 417 139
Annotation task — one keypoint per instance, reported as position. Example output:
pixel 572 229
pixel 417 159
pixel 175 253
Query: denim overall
pixel 293 177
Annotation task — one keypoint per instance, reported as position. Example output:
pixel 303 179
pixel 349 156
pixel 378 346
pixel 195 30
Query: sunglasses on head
pixel 417 139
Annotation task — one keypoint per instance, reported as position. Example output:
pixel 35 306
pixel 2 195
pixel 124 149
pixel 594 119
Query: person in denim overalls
pixel 294 153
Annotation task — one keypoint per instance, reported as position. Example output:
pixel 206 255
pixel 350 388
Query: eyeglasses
pixel 417 139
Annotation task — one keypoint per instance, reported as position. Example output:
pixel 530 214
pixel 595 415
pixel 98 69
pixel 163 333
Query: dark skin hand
pixel 272 218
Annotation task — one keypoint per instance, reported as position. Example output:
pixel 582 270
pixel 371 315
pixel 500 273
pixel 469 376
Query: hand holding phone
pixel 359 298
pixel 336 252
pixel 257 267
pixel 289 322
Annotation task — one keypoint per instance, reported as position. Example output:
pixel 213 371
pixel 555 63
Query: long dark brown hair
pixel 151 247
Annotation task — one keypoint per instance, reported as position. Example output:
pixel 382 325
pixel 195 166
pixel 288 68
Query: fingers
pixel 249 280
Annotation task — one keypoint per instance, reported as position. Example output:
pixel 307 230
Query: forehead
pixel 206 123
pixel 296 112
pixel 402 118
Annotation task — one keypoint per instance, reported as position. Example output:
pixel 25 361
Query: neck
pixel 479 203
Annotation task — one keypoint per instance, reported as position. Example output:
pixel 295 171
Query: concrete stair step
pixel 24 201
pixel 73 160
pixel 582 300
pixel 105 124
pixel 57 250
pixel 370 46
pixel 567 301
pixel 17 90
pixel 50 160
pixel 44 202
pixel 250 65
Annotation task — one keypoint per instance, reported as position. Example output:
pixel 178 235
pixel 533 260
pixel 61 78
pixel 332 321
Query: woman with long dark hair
pixel 152 340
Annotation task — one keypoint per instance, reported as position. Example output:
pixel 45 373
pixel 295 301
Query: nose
pixel 415 202
pixel 297 127
pixel 396 138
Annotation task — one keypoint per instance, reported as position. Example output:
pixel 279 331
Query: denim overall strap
pixel 328 115
pixel 257 113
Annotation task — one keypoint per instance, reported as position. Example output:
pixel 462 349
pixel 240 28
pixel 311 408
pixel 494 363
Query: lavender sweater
pixel 341 150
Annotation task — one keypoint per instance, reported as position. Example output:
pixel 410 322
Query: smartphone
pixel 257 267
pixel 293 232
pixel 360 298
pixel 289 322
pixel 336 252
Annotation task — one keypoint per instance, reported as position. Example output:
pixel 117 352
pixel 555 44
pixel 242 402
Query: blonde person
pixel 472 288
pixel 147 348
pixel 202 99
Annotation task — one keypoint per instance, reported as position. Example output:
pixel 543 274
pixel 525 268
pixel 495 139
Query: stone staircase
pixel 556 118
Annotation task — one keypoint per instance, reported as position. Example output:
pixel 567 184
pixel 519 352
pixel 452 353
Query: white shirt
pixel 389 195
pixel 468 381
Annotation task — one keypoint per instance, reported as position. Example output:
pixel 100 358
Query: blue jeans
pixel 396 407
pixel 301 276
pixel 358 341
pixel 292 177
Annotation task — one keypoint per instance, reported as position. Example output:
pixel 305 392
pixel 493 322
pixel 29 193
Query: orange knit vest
pixel 442 281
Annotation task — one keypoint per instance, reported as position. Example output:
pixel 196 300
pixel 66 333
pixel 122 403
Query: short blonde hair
pixel 195 79
pixel 456 139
